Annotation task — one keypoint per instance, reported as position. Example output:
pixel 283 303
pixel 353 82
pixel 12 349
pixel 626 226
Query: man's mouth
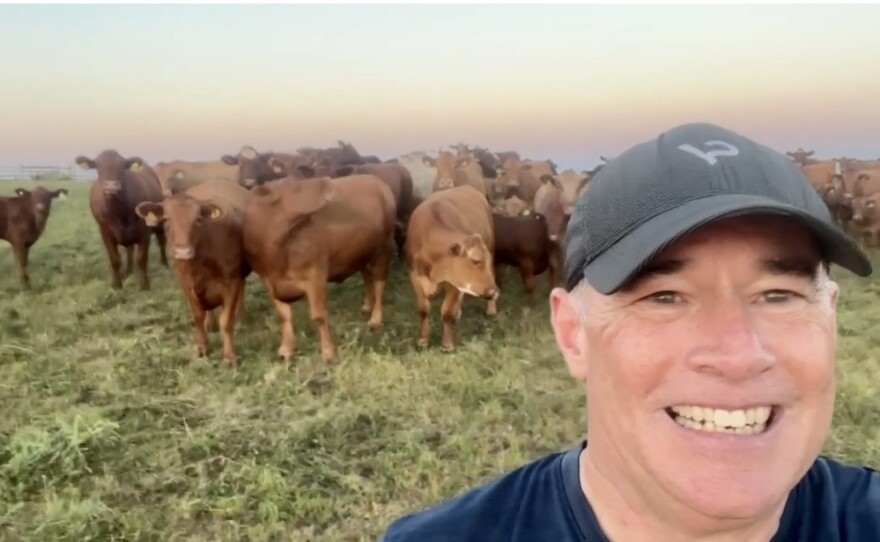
pixel 750 421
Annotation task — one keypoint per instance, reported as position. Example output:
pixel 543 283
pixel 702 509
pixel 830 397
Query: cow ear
pixel 456 249
pixel 61 194
pixel 85 162
pixel 229 160
pixel 134 164
pixel 212 211
pixel 21 192
pixel 548 179
pixel 150 211
pixel 429 161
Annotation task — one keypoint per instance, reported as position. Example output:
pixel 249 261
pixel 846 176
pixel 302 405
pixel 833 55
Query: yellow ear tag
pixel 151 220
pixel 135 167
pixel 216 213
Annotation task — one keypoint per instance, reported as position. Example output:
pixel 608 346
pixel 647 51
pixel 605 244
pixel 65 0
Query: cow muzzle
pixel 184 253
pixel 491 294
pixel 111 187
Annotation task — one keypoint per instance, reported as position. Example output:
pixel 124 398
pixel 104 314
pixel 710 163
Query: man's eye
pixel 665 298
pixel 779 296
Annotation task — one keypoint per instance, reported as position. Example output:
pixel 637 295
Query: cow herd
pixel 304 219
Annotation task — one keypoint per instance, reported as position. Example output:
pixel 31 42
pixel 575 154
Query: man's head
pixel 697 290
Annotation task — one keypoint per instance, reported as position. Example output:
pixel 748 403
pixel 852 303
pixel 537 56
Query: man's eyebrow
pixel 653 269
pixel 797 266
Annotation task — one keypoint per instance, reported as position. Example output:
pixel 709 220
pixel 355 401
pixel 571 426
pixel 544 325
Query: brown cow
pixel 523 242
pixel 450 241
pixel 123 183
pixel 573 185
pixel 204 226
pixel 301 234
pixel 23 219
pixel 179 175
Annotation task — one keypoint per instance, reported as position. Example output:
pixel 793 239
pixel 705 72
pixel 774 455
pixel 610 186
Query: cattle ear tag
pixel 216 213
pixel 151 219
pixel 135 167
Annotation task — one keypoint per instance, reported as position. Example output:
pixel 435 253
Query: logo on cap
pixel 726 150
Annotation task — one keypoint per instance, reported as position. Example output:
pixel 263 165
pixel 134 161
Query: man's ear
pixel 571 337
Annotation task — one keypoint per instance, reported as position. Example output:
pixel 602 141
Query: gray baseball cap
pixel 689 176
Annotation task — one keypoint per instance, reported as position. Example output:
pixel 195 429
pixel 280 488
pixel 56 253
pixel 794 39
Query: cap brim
pixel 617 265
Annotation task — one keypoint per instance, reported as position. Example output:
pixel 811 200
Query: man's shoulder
pixel 517 497
pixel 836 500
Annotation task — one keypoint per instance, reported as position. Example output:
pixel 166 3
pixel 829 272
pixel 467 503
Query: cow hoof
pixel 422 343
pixel 447 348
pixel 231 361
pixel 374 325
pixel 284 354
pixel 202 351
pixel 329 356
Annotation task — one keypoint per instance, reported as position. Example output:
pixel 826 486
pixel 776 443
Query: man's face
pixel 730 329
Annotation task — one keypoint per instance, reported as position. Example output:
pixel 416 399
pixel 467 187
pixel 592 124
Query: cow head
pixel 182 217
pixel 112 169
pixel 41 199
pixel 553 209
pixel 253 167
pixel 865 212
pixel 468 267
pixel 293 165
pixel 446 164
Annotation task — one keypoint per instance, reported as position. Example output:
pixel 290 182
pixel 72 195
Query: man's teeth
pixel 716 420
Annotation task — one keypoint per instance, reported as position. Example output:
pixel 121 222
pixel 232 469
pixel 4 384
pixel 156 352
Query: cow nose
pixel 491 294
pixel 250 182
pixel 183 253
pixel 112 186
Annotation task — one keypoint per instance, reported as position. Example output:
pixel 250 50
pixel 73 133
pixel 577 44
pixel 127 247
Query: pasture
pixel 114 430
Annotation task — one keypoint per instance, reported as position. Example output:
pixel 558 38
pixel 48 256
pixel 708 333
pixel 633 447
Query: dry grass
pixel 114 430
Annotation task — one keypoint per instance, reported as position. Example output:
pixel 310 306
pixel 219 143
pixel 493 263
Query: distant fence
pixel 47 173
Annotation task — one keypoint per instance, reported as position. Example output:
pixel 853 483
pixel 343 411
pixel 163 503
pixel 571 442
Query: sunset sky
pixel 569 83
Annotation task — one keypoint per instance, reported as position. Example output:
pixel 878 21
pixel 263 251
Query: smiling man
pixel 700 318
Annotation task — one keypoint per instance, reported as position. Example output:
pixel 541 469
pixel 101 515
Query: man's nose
pixel 731 345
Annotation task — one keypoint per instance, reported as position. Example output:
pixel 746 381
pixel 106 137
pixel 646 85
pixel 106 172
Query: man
pixel 700 317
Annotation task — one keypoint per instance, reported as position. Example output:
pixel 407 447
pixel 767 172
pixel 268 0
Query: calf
pixel 22 221
pixel 122 184
pixel 300 234
pixel 450 242
pixel 523 242
pixel 204 225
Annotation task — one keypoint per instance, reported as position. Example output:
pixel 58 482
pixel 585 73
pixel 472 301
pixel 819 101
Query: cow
pixel 421 171
pixel 450 242
pixel 253 167
pixel 523 242
pixel 343 154
pixel 23 219
pixel 301 234
pixel 454 171
pixel 399 181
pixel 573 185
pixel 296 165
pixel 179 175
pixel 522 178
pixel 866 219
pixel 204 226
pixel 123 183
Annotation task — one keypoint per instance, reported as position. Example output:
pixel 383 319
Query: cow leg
pixel 113 255
pixel 424 307
pixel 316 291
pixel 129 261
pixel 369 291
pixel 379 269
pixel 529 280
pixel 199 315
pixel 143 257
pixel 21 261
pixel 239 304
pixel 288 339
pixel 448 311
pixel 161 242
pixel 227 322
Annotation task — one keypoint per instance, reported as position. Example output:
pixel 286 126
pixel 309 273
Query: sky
pixel 567 82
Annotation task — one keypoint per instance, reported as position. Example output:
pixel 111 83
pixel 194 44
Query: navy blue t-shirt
pixel 543 501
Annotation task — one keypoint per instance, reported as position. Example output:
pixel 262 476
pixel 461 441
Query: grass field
pixel 114 430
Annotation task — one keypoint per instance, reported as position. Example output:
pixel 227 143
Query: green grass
pixel 114 430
